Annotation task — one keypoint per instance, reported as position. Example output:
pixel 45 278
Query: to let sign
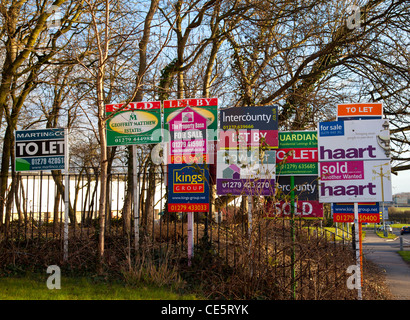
pixel 357 111
pixel 42 149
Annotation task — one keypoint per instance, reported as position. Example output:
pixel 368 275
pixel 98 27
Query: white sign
pixel 340 182
pixel 354 140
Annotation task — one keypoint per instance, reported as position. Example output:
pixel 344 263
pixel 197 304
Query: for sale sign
pixel 354 161
pixel 188 132
pixel 42 149
pixel 354 140
pixel 207 107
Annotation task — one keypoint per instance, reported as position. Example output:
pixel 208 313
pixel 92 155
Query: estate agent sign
pixel 138 123
pixel 43 149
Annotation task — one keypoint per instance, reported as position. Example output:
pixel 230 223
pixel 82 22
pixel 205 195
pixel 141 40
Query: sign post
pixel 46 149
pixel 357 246
pixel 349 152
pixel 66 193
pixel 188 132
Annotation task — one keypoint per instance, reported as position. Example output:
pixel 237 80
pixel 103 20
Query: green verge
pixel 405 255
pixel 82 288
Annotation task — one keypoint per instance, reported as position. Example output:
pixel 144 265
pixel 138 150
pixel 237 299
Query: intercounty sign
pixel 248 127
pixel 43 149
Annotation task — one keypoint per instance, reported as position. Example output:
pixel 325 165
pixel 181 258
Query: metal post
pixel 66 193
pixel 358 269
pixel 292 233
pixel 136 196
pixel 190 237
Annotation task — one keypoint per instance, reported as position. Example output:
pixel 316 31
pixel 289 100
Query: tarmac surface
pixel 384 253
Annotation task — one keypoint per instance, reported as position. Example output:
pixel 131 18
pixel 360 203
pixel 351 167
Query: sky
pixel 401 182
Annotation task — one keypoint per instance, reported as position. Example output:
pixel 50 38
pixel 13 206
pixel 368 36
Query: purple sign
pixel 245 172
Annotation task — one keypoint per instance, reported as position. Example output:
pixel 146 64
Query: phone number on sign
pixel 188 207
pixel 247 184
pixel 349 217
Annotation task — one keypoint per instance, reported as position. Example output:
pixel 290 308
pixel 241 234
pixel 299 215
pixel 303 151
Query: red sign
pixel 133 106
pixel 359 109
pixel 181 103
pixel 363 217
pixel 294 155
pixel 306 209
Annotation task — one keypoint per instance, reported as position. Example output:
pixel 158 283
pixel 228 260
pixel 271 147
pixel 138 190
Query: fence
pixel 285 251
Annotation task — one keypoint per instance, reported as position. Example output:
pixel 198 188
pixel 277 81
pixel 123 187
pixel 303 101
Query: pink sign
pixel 341 170
pixel 188 133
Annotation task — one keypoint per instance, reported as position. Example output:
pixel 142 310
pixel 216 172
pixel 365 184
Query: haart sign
pixel 354 161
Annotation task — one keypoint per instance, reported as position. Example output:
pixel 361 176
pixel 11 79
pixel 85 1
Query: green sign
pixel 304 168
pixel 297 139
pixel 297 153
pixel 138 123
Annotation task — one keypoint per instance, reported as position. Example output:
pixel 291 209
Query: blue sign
pixel 42 149
pixel 372 207
pixel 331 128
pixel 188 188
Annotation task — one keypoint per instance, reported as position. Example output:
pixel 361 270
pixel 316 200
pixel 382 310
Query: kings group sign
pixel 368 212
pixel 137 123
pixel 188 188
pixel 42 149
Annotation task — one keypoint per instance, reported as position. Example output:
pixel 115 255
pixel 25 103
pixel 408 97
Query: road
pixel 384 253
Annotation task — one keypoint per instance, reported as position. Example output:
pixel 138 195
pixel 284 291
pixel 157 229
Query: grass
pixel 34 287
pixel 389 235
pixel 405 255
